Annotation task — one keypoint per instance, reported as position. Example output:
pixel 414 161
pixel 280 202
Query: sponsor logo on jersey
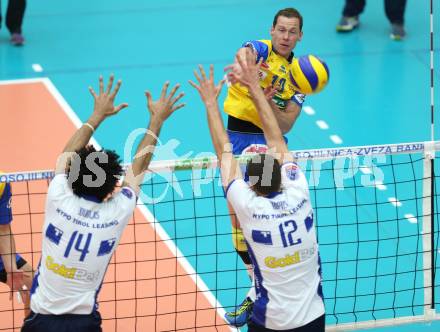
pixel 283 69
pixel 289 259
pixel 70 272
pixel 263 237
pixel 300 98
pixel 86 213
pixel 106 247
pixel 255 148
pixel 262 75
pixel 280 102
pixel 127 193
pixel 291 171
pixel 281 205
pixel 54 234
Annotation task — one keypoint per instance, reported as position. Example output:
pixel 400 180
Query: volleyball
pixel 309 74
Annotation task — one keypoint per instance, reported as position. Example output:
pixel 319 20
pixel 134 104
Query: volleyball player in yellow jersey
pixel 14 271
pixel 244 125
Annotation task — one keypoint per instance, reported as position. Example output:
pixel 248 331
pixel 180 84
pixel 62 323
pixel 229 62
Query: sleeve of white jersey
pixel 292 176
pixel 239 195
pixel 126 200
pixel 58 187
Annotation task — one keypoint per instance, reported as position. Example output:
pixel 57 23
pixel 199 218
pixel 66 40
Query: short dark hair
pixel 264 172
pixel 289 12
pixel 80 175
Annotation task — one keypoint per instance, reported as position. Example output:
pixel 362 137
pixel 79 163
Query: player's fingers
pixel 173 91
pixel 202 71
pixel 149 98
pixel 175 100
pixel 270 89
pixel 115 91
pixel 110 84
pixel 260 61
pixel 232 77
pixel 229 67
pixel 164 89
pixel 120 107
pixel 92 92
pixel 101 85
pixel 197 77
pixel 175 108
pixel 220 86
pixel 211 72
pixel 194 85
pixel 240 61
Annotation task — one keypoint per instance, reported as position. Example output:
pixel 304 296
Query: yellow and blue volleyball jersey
pixel 274 72
pixel 5 203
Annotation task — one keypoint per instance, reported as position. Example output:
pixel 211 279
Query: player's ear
pixel 300 35
pixel 272 30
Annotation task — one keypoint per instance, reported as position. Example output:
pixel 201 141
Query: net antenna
pixel 432 66
pixel 431 311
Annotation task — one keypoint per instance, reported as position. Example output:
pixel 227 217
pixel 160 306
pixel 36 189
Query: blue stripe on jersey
pixel 309 222
pixel 260 48
pixel 35 280
pixel 96 305
pixel 273 194
pixel 260 305
pixel 5 205
pixel 229 186
pixel 320 293
pixel 306 67
pixel 298 98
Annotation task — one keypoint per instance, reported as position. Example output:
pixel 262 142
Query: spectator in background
pixel 394 9
pixel 14 20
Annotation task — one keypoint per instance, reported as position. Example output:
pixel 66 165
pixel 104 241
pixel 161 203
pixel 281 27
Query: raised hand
pixel 104 102
pixel 245 71
pixel 15 281
pixel 269 92
pixel 162 108
pixel 207 89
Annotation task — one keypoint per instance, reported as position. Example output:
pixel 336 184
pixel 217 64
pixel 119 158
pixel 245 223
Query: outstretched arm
pixel 7 253
pixel 248 76
pixel 285 118
pixel 223 149
pixel 159 110
pixel 104 107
